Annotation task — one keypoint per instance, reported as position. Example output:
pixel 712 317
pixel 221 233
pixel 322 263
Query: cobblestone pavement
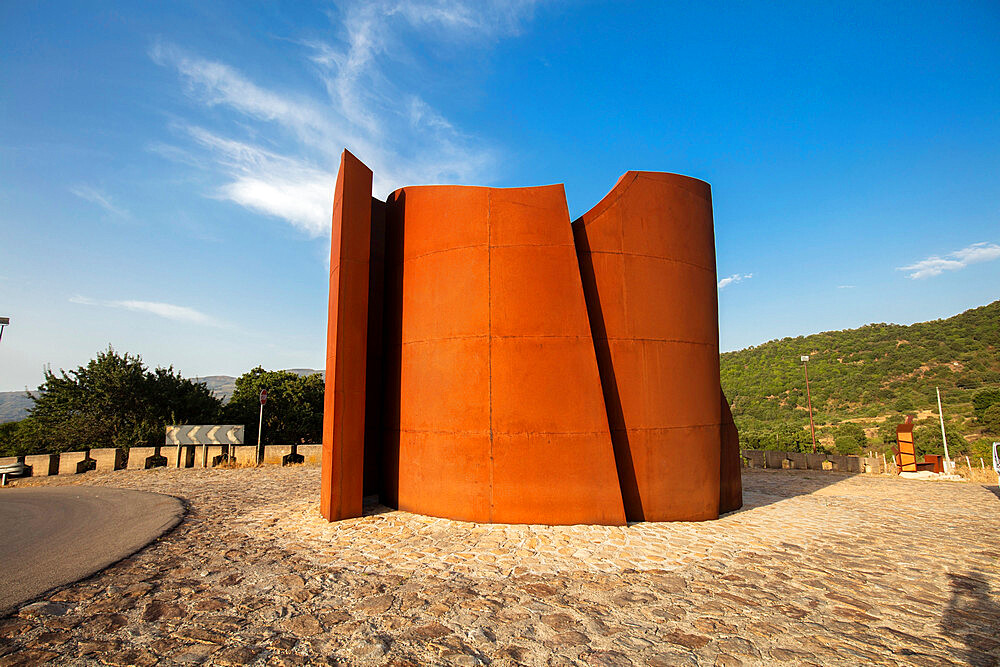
pixel 817 568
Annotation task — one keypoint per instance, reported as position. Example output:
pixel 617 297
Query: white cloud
pixel 735 278
pixel 371 104
pixel 845 286
pixel 94 196
pixel 953 261
pixel 165 310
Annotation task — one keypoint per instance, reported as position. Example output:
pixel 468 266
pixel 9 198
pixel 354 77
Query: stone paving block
pixel 803 574
pixel 311 454
pixel 72 463
pixel 108 458
pixel 42 465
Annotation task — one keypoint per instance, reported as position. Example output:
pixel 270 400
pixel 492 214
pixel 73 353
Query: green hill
pixel 871 377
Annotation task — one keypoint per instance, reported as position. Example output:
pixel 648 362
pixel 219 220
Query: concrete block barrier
pixel 141 458
pixel 311 454
pixel 72 463
pixel 208 456
pixel 244 454
pixel 815 461
pixel 839 462
pixel 275 454
pixel 108 458
pixel 179 456
pixel 43 465
pixel 774 460
pixel 798 459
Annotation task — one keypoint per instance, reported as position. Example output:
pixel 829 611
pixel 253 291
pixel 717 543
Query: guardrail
pixel 141 458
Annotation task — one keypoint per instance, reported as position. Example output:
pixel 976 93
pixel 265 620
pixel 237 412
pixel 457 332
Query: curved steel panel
pixel 647 255
pixel 500 410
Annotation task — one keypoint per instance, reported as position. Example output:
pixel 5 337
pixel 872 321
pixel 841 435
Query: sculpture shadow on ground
pixel 973 616
pixel 994 489
pixel 783 485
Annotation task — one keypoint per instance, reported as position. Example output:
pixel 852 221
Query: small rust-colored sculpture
pixel 488 361
pixel 906 452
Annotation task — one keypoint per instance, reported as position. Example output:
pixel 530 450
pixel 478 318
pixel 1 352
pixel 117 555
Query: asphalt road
pixel 54 536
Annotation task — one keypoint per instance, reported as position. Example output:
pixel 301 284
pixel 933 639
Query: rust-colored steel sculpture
pixel 507 366
pixel 906 452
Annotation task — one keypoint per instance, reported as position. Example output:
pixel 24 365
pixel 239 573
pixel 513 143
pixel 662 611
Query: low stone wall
pixel 766 458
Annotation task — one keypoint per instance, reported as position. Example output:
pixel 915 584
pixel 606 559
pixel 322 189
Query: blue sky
pixel 167 169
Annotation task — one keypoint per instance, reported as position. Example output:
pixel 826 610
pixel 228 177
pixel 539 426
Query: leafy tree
pixel 927 439
pixel 984 400
pixel 991 419
pixel 846 445
pixel 294 409
pixel 850 439
pixel 113 401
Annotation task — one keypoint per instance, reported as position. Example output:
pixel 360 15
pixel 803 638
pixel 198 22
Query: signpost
pixel 260 426
pixel 948 465
pixel 805 364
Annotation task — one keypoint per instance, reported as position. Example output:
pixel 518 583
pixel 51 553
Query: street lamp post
pixel 4 321
pixel 812 427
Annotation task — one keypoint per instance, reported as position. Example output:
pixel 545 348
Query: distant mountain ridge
pixel 14 405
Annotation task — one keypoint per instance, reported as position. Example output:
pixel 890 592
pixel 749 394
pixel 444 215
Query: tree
pixel 850 439
pixel 927 439
pixel 984 400
pixel 113 401
pixel 991 419
pixel 294 409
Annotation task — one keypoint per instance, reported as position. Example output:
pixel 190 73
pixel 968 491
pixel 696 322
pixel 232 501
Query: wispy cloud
pixel 94 196
pixel 735 278
pixel 167 311
pixel 936 265
pixel 845 286
pixel 367 101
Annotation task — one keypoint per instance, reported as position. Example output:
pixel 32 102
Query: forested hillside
pixel 870 377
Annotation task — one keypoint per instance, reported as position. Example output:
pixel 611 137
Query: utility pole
pixel 944 438
pixel 812 427
pixel 260 426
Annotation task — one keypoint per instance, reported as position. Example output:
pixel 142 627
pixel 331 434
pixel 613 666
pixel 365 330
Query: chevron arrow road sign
pixel 207 434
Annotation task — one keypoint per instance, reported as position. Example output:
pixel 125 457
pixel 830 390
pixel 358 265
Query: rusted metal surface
pixel 528 370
